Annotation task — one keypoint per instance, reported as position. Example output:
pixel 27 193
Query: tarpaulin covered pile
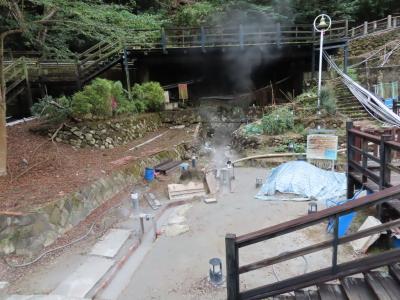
pixel 304 179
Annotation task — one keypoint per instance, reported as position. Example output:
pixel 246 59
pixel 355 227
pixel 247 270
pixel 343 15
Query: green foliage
pixel 52 110
pixel 101 98
pixel 278 121
pixel 296 147
pixel 194 15
pixel 328 99
pixel 148 96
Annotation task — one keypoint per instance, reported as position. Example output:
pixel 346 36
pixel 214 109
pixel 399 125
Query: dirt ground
pixel 177 266
pixel 40 170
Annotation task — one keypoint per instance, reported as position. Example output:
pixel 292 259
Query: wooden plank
pixel 306 221
pixel 323 275
pixel 357 289
pixel 331 292
pixel 384 286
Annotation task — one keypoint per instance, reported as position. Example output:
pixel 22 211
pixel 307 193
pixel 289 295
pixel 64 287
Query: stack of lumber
pixel 186 191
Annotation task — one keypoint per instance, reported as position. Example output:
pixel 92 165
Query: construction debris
pixel 210 200
pixel 186 191
pixel 152 201
pixel 212 183
pixel 362 245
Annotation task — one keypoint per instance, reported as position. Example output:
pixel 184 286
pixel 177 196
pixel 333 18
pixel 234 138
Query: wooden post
pixel 203 39
pixel 395 22
pixel 357 143
pixel 345 58
pixel 28 85
pixel 241 36
pixel 163 40
pixel 365 28
pixel 346 28
pixel 125 64
pixel 350 142
pixel 232 267
pixel 374 25
pixel 278 34
pixel 364 148
pixel 78 74
pixel 389 23
pixel 385 158
pixel 335 243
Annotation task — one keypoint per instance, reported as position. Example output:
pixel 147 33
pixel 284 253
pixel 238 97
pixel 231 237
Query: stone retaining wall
pixel 108 134
pixel 28 233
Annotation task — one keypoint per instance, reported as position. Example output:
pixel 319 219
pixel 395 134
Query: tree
pixel 18 24
pixel 60 28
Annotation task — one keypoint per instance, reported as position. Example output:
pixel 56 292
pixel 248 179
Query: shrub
pixel 278 121
pixel 328 99
pixel 101 98
pixel 53 110
pixel 149 95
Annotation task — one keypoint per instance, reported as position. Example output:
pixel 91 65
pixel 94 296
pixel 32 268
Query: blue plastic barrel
pixel 149 174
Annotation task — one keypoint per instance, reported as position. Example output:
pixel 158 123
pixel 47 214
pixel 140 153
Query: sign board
pixel 166 96
pixel 322 146
pixel 183 91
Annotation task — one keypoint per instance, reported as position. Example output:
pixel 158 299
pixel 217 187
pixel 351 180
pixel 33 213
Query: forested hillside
pixel 60 27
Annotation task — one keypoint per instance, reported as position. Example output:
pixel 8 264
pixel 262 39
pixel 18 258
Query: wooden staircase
pixel 372 285
pixel 17 80
pixel 98 59
pixel 374 276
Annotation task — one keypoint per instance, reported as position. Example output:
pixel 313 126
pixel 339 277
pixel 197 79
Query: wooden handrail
pixel 322 276
pixel 309 220
pixel 317 247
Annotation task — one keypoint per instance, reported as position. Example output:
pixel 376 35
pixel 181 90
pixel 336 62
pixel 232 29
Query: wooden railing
pixel 15 73
pixel 234 244
pixel 206 37
pixel 370 158
pixel 381 25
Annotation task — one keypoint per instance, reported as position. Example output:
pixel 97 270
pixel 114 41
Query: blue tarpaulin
pixel 304 179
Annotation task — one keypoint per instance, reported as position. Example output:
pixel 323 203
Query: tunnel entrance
pixel 228 71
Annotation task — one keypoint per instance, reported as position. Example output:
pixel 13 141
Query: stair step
pixel 394 270
pixel 306 295
pixel 384 286
pixel 357 289
pixel 331 292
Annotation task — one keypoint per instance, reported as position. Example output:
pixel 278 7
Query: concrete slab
pixel 80 282
pixel 111 243
pixel 43 297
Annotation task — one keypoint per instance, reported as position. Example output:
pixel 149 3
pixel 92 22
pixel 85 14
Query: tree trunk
pixel 3 139
pixel 3 129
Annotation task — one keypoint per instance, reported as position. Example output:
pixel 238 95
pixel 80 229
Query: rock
pixel 58 140
pixel 7 247
pixel 78 133
pixel 89 136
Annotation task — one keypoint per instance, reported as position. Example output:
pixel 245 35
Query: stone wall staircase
pixel 348 105
pixel 373 285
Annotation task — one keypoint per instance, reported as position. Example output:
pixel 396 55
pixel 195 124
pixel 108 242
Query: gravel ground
pixel 60 169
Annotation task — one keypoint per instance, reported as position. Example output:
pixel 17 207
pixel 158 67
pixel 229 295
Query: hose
pixel 304 272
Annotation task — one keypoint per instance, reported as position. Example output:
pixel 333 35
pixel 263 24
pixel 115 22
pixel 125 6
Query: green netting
pixel 253 129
